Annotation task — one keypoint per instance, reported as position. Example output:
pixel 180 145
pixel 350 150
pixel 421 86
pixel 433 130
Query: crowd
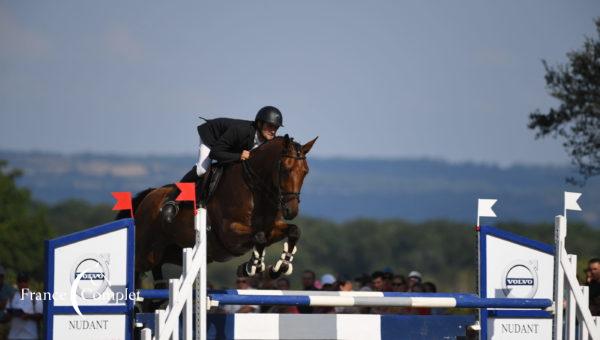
pixel 382 281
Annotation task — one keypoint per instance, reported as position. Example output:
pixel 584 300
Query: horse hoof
pixel 260 268
pixel 273 274
pixel 290 269
pixel 285 268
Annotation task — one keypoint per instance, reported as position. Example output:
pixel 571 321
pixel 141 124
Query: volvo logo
pixel 520 279
pixel 90 275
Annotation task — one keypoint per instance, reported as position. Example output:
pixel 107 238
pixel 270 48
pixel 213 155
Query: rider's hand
pixel 245 155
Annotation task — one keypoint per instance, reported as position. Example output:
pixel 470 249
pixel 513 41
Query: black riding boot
pixel 191 176
pixel 170 209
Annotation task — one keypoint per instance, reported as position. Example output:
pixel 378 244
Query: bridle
pixel 277 196
pixel 283 194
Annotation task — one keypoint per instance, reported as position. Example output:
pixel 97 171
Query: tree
pixel 23 228
pixel 576 85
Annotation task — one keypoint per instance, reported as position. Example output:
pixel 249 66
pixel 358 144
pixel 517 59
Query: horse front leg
pixel 256 264
pixel 284 265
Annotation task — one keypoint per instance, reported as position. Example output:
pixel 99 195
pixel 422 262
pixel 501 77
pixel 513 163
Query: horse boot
pixel 256 264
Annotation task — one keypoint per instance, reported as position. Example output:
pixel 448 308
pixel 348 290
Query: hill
pixel 339 189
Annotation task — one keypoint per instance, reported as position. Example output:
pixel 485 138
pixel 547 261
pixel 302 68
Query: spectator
pixel 327 282
pixel 378 285
pixel 267 283
pixel 377 281
pixel 594 285
pixel 414 278
pixel 308 280
pixel 344 285
pixel 429 287
pixel 283 284
pixel 399 284
pixel 241 283
pixel 588 275
pixel 308 283
pixel 6 292
pixel 388 277
pixel 364 282
pixel 419 288
pixel 24 312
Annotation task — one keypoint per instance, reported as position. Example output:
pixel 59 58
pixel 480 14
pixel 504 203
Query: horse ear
pixel 286 140
pixel 306 147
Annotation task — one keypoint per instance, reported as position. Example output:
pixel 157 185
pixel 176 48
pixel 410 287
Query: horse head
pixel 276 171
pixel 293 167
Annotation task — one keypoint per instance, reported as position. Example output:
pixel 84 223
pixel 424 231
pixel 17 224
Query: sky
pixel 373 79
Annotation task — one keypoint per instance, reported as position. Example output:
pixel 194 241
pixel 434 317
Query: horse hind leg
pixel 256 264
pixel 284 265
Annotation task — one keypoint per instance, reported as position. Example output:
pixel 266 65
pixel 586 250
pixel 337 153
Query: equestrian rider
pixel 227 140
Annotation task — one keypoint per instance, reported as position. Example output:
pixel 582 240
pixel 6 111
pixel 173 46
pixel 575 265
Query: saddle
pixel 205 188
pixel 208 183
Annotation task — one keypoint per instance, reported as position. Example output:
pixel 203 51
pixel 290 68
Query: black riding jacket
pixel 227 138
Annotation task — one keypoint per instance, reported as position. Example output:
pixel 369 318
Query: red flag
pixel 123 201
pixel 188 193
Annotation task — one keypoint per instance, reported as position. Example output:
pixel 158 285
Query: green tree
pixel 576 85
pixel 23 228
pixel 74 215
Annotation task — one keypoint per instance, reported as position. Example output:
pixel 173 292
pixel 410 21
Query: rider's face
pixel 268 130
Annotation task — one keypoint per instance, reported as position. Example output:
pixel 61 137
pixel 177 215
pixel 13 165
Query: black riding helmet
pixel 270 114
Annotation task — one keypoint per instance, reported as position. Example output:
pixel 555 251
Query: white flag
pixel 571 201
pixel 484 208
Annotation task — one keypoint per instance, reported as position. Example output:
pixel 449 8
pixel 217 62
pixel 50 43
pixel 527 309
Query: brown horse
pixel 246 212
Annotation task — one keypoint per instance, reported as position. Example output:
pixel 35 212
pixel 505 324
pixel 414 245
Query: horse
pixel 247 211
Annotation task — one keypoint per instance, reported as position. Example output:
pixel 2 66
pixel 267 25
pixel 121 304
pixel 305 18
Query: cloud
pixel 17 41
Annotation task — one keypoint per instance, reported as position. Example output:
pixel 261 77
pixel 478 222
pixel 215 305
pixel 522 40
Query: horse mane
pixel 279 141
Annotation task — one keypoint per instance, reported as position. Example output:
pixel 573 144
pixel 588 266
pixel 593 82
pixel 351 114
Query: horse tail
pixel 135 203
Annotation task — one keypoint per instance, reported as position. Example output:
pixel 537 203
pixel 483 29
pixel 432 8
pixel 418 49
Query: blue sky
pixel 386 79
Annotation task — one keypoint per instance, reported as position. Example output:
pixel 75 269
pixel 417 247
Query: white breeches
pixel 203 160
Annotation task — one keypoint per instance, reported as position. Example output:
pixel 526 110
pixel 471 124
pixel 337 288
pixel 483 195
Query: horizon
pixel 191 156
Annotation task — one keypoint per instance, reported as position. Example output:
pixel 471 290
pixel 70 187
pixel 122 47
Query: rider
pixel 227 140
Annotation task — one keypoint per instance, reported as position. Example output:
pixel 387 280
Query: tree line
pixel 444 251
